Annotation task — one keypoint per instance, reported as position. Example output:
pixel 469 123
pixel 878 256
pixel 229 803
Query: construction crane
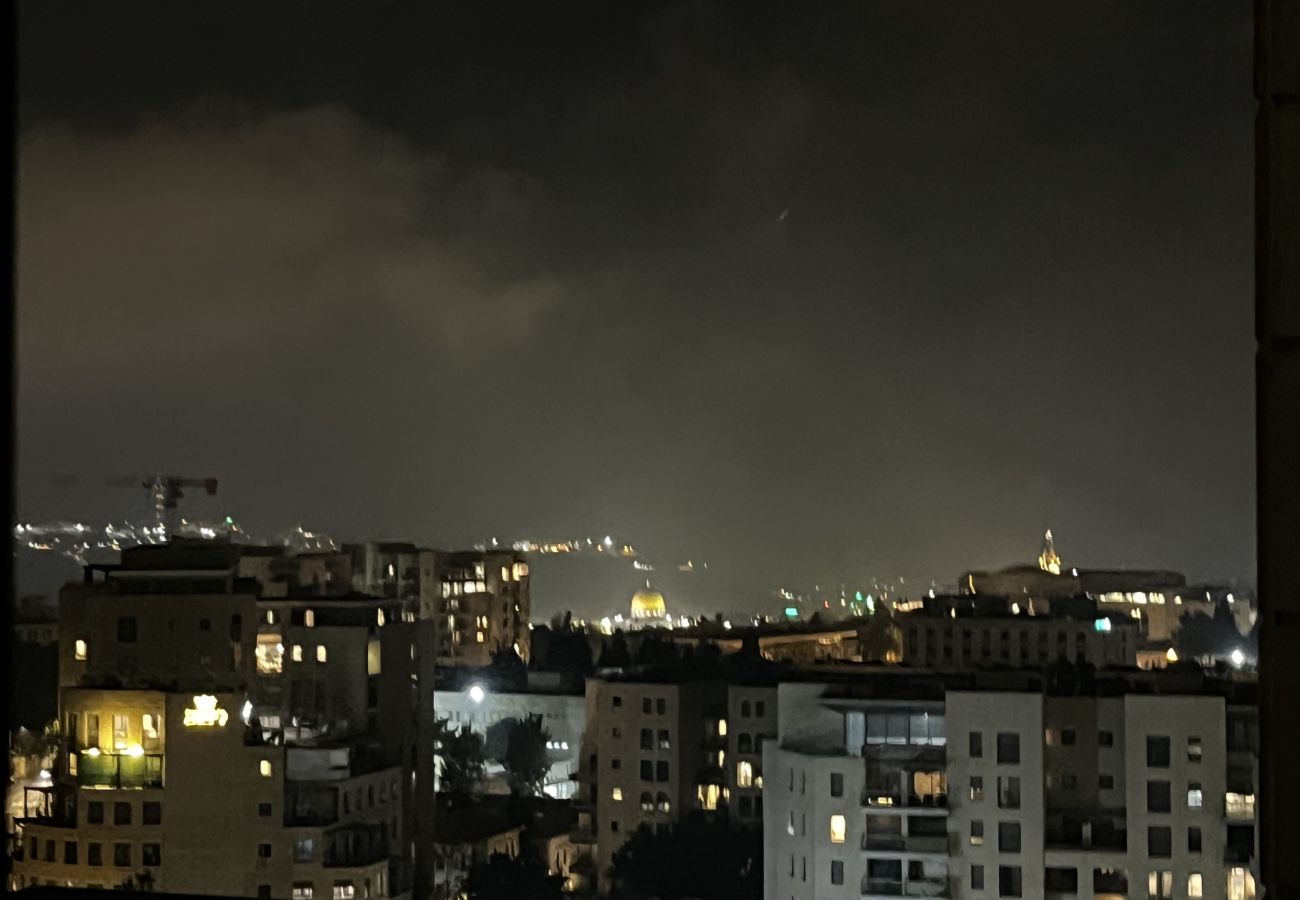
pixel 166 492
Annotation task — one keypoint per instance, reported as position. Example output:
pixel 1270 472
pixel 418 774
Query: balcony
pixel 927 887
pixel 120 771
pixel 911 843
pixel 884 801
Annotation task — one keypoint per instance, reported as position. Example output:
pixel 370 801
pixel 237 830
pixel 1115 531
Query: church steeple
pixel 1048 560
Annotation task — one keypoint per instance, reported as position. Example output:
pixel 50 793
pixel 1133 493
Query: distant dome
pixel 648 604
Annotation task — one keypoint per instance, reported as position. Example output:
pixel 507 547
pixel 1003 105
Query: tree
pixel 512 878
pixel 460 759
pixel 525 758
pixel 614 653
pixel 1212 635
pixel 696 858
pixel 655 648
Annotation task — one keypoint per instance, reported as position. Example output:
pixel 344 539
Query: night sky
pixel 862 289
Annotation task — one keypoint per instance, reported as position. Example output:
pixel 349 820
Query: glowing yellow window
pixel 722 728
pixel 744 774
pixel 479 637
pixel 297 652
pixel 80 650
pixel 309 618
pixel 837 829
pixel 322 655
pixel 264 767
pixel 616 794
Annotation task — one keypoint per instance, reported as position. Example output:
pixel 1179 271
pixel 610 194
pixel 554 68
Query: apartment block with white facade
pixel 990 787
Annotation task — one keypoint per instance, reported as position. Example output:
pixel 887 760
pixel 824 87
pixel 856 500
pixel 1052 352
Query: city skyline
pixel 842 308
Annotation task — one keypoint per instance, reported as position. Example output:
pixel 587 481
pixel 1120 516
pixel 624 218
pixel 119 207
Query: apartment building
pixel 194 706
pixel 1017 639
pixel 981 787
pixel 664 743
pixel 479 601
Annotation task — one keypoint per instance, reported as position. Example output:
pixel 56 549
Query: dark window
pixel 70 853
pixel 1061 881
pixel 837 784
pixel 661 771
pixel 976 744
pixel 121 813
pixel 95 854
pixel 744 744
pixel 264 851
pixel 49 850
pixel 1008 837
pixel 95 812
pixel 1105 739
pixel 1008 748
pixel 837 872
pixel 618 701
pixel 1158 796
pixel 661 706
pixel 1067 737
pixel 264 809
pixel 236 627
pixel 1194 749
pixel 122 855
pixel 760 709
pixel 616 763
pixel 646 706
pixel 746 804
pixel 977 878
pixel 263 892
pixel 1106 782
pixel 1008 881
pixel 647 739
pixel 664 742
pixel 613 825
pixel 1160 842
pixel 151 814
pixel 647 770
pixel 744 709
pixel 205 624
pixel 126 630
pixel 1008 792
pixel 151 854
pixel 1158 752
pixel 1193 839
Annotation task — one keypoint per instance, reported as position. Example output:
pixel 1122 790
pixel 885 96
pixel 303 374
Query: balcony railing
pixel 886 800
pixel 918 887
pixel 120 770
pixel 912 843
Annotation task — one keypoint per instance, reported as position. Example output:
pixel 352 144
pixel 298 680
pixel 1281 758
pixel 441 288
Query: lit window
pixel 322 655
pixel 309 618
pixel 270 654
pixel 149 731
pixel 479 637
pixel 343 890
pixel 616 795
pixel 1241 884
pixel 520 570
pixel 379 618
pixel 80 651
pixel 1194 886
pixel 837 829
pixel 265 768
pixel 722 728
pixel 1160 885
pixel 297 652
pixel 505 573
pixel 270 617
pixel 303 890
pixel 744 774
pixel 374 658
pixel 1194 796
pixel 1239 806
pixel 708 795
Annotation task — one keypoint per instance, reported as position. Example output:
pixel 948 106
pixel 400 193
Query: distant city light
pixel 1238 658
pixel 791 612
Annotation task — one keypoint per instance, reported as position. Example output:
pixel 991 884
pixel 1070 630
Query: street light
pixel 476 693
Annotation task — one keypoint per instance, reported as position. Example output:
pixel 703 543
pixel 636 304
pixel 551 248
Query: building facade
pixel 1145 790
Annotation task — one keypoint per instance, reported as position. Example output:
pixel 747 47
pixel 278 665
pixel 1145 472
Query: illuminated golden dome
pixel 648 604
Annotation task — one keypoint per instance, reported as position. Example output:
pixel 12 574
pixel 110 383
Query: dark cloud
pixel 877 290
